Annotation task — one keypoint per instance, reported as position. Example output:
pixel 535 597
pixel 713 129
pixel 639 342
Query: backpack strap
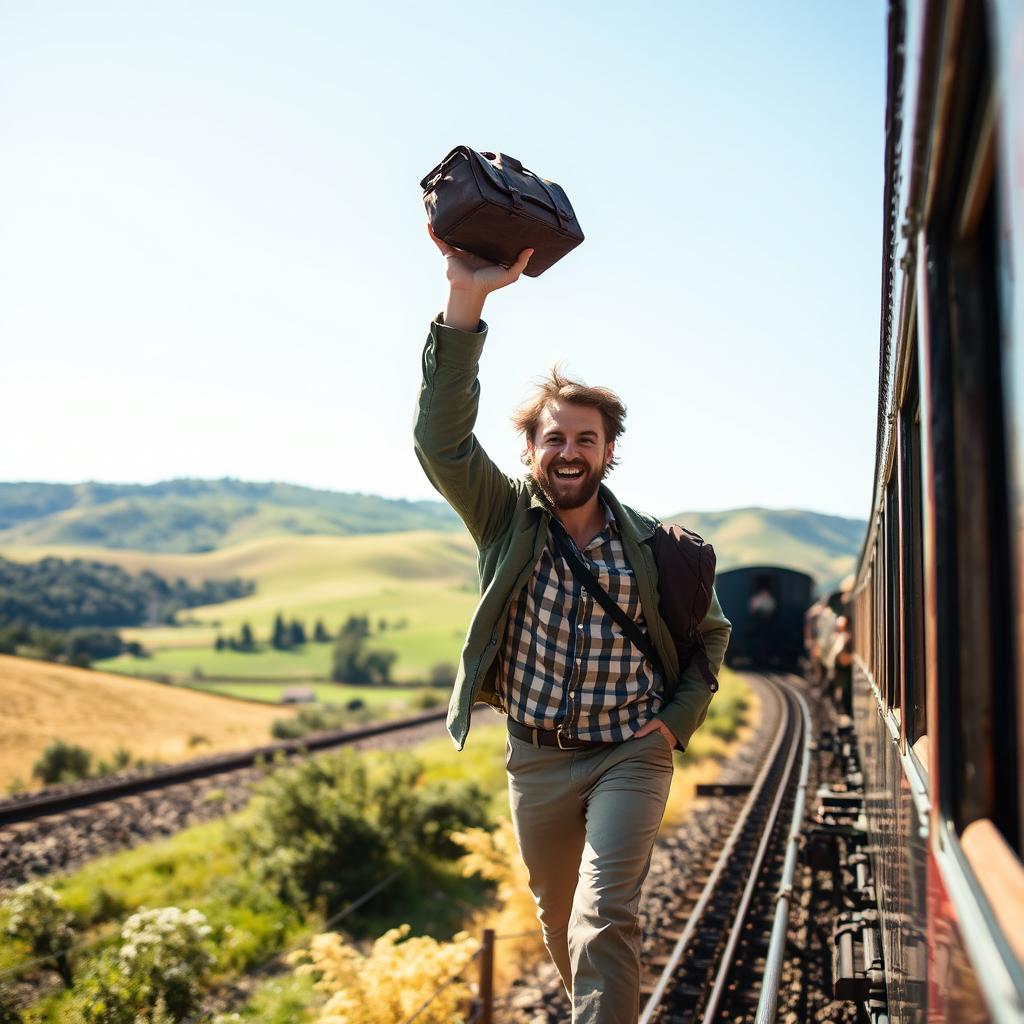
pixel 566 548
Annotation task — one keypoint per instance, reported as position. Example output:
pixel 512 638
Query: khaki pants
pixel 586 823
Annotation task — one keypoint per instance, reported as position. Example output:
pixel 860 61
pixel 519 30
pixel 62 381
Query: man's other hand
pixel 656 725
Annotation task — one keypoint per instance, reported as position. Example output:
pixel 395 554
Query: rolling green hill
pixel 198 515
pixel 824 546
pixel 421 583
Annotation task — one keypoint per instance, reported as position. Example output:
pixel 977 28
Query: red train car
pixel 939 597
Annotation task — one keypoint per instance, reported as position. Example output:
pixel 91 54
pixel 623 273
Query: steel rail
pixel 726 963
pixel 675 957
pixel 29 808
pixel 767 1002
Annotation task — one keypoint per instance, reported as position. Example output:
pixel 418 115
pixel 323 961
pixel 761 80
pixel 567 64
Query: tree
pixel 346 664
pixel 246 643
pixel 297 632
pixel 356 625
pixel 279 639
pixel 219 644
pixel 354 665
pixel 320 634
pixel 377 665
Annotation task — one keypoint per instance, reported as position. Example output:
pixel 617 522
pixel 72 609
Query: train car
pixel 939 593
pixel 766 605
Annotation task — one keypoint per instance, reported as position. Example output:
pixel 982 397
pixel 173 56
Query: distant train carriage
pixel 766 605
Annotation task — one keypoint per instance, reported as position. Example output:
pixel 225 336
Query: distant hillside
pixel 422 584
pixel 824 546
pixel 186 515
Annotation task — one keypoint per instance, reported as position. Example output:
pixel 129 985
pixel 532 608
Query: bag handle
pixel 517 200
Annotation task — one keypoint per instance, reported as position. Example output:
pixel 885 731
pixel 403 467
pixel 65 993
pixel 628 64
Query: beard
pixel 565 495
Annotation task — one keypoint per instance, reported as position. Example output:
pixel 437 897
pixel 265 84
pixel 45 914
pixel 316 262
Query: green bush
pixel 155 975
pixel 327 830
pixel 317 833
pixel 427 700
pixel 447 807
pixel 320 718
pixel 39 920
pixel 122 759
pixel 62 762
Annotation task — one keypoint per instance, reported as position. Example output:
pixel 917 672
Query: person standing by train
pixel 592 720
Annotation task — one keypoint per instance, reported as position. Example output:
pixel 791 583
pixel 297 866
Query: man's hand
pixel 471 279
pixel 656 725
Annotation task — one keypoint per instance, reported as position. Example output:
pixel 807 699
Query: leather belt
pixel 551 738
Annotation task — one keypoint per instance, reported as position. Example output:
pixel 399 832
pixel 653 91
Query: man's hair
pixel 557 387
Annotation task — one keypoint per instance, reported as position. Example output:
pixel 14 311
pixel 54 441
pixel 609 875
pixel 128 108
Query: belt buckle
pixel 558 738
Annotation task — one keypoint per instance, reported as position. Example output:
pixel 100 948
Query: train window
pixel 915 696
pixel 890 665
pixel 975 625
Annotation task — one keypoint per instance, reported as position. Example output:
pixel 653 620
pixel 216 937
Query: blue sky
pixel 213 259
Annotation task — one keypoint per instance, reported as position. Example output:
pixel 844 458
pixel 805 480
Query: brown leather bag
pixel 491 205
pixel 686 576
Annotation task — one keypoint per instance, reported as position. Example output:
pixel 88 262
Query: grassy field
pixel 41 702
pixel 422 583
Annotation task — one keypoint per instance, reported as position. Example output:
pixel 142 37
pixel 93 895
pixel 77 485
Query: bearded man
pixel 592 720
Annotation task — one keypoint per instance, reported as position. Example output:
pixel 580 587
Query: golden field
pixel 41 702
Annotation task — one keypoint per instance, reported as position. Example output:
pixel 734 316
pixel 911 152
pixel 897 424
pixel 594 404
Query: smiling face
pixel 568 453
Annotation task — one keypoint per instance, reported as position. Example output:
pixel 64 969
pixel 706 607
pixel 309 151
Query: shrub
pixel 443 673
pixel 495 857
pixel 62 762
pixel 320 718
pixel 446 808
pixel 367 988
pixel 326 830
pixel 8 1007
pixel 16 786
pixel 39 920
pixel 317 831
pixel 121 759
pixel 155 975
pixel 426 700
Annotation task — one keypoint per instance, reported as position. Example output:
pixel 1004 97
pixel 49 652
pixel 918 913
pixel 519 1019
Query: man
pixel 592 721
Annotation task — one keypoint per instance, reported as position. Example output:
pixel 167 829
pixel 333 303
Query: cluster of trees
pixel 284 635
pixel 352 662
pixel 58 594
pixel 80 647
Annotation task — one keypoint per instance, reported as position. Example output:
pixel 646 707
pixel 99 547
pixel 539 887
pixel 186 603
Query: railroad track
pixel 734 910
pixel 58 831
pixel 31 807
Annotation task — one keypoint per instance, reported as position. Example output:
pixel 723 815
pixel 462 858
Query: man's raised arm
pixel 450 396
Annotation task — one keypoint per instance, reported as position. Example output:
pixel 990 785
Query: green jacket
pixel 508 520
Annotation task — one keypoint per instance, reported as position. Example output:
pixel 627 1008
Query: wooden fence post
pixel 487 978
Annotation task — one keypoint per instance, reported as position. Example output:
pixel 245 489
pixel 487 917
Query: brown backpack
pixel 686 574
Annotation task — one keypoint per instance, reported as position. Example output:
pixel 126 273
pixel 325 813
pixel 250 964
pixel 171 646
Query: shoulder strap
pixel 564 547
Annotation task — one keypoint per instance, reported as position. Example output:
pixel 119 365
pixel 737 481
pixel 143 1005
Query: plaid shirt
pixel 564 662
